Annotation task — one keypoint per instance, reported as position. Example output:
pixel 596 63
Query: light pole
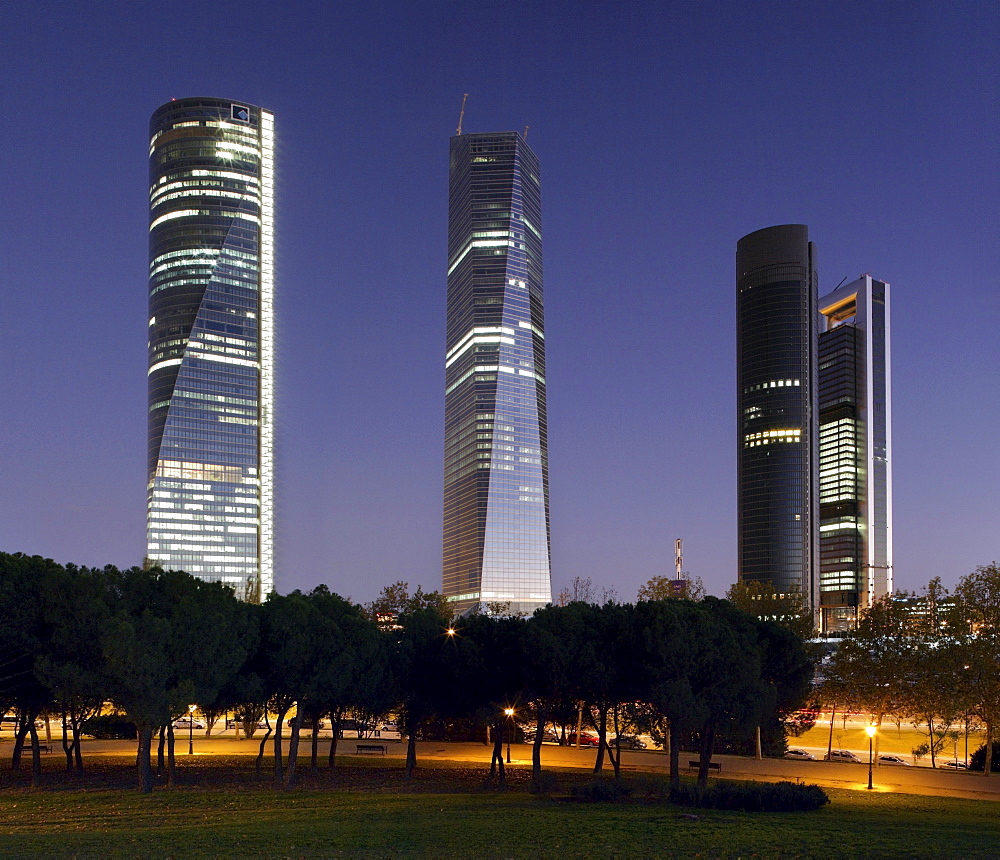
pixel 510 725
pixel 871 736
pixel 191 729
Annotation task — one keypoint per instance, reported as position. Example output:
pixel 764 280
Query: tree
pixel 869 668
pixel 396 599
pixel 762 601
pixel 974 624
pixel 420 665
pixel 75 611
pixel 553 638
pixel 171 640
pixel 663 588
pixel 23 636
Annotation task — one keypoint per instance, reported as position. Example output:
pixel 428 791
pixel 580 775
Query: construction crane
pixel 525 135
pixel 461 115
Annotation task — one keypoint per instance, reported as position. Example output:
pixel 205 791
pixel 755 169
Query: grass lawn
pixel 220 808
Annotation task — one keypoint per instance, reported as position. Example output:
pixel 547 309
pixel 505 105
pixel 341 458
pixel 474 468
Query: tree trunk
pixel 293 750
pixel 279 771
pixel 260 752
pixel 675 756
pixel 15 758
pixel 757 749
pixel 536 751
pixel 602 738
pixel 615 756
pixel 171 755
pixel 142 762
pixel 334 737
pixel 314 747
pixel 161 761
pixel 988 760
pixel 707 745
pixel 36 756
pixel 496 762
pixel 411 750
pixel 930 739
pixel 67 746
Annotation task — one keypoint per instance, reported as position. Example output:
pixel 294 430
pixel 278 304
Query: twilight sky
pixel 665 130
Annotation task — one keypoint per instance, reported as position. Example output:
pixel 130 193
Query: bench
pixel 371 748
pixel 712 765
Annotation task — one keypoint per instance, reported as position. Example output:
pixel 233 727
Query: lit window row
pixel 768 437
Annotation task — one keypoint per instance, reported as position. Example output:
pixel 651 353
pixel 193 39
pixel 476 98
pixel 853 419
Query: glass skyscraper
pixel 855 474
pixel 496 493
pixel 777 491
pixel 210 507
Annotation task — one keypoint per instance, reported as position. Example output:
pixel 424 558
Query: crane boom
pixel 461 115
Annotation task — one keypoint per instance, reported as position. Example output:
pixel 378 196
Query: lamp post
pixel 510 725
pixel 870 729
pixel 191 729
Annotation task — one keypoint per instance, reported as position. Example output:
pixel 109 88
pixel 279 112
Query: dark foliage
pixel 978 758
pixel 602 791
pixel 110 727
pixel 751 796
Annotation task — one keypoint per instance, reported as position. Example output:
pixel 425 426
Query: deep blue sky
pixel 666 131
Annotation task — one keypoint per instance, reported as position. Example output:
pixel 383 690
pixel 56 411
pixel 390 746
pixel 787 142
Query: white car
pixel 841 755
pixel 188 723
pixel 799 755
pixel 954 764
pixel 893 761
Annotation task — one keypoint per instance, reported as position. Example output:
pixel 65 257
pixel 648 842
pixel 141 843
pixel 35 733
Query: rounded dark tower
pixel 776 320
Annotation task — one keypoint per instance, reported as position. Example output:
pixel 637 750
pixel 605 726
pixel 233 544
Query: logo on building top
pixel 241 113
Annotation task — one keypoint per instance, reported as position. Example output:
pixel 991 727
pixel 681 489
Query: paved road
pixel 907 780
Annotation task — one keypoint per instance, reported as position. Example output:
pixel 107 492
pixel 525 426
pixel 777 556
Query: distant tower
pixel 855 465
pixel 777 492
pixel 496 488
pixel 210 508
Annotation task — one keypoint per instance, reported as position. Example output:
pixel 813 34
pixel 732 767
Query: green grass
pixel 447 812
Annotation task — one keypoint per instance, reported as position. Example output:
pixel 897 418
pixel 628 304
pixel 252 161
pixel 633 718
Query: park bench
pixel 371 748
pixel 712 765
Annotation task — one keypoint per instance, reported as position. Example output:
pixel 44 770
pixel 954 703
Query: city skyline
pixel 496 481
pixel 663 138
pixel 210 477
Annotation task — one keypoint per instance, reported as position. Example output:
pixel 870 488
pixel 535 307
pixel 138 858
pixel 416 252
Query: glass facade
pixel 854 465
pixel 777 509
pixel 496 492
pixel 211 343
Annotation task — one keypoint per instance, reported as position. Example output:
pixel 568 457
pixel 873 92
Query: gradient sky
pixel 666 131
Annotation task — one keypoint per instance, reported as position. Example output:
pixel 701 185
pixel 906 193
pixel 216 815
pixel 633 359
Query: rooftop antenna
pixel 461 115
pixel 525 135
pixel 679 559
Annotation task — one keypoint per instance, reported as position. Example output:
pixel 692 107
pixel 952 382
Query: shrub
pixel 547 783
pixel 602 791
pixel 977 760
pixel 110 727
pixel 752 796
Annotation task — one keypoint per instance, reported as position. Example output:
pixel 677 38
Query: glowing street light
pixel 510 727
pixel 870 730
pixel 191 729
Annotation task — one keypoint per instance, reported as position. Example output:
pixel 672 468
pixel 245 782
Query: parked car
pixel 841 755
pixel 188 723
pixel 629 742
pixel 799 755
pixel 586 740
pixel 893 761
pixel 955 765
pixel 548 736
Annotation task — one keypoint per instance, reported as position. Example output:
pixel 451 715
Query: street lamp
pixel 870 729
pixel 191 729
pixel 510 727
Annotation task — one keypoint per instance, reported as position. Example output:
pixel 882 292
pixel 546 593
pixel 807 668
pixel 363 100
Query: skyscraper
pixel 496 493
pixel 855 468
pixel 210 507
pixel 777 492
